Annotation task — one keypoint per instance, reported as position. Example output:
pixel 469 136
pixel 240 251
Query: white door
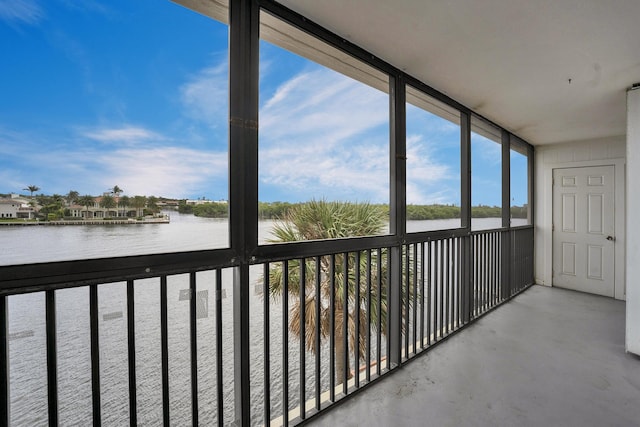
pixel 583 229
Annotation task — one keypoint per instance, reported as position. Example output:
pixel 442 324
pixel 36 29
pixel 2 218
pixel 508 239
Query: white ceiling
pixel 550 71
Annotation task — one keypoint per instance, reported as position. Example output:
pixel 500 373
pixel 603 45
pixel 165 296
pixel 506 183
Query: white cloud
pixel 485 150
pixel 21 11
pixel 428 182
pixel 205 95
pixel 127 134
pixel 166 171
pixel 148 169
pixel 324 135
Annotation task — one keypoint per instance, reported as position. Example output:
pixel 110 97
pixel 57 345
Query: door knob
pixel 611 238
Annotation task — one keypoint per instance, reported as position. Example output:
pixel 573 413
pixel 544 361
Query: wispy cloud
pixel 205 95
pixel 428 181
pixel 21 12
pixel 126 134
pixel 485 150
pixel 167 171
pixel 325 135
pixel 170 171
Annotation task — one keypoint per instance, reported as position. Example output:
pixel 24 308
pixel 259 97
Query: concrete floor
pixel 550 357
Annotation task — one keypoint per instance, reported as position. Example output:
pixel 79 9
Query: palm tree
pixel 124 202
pixel 152 204
pixel 116 190
pixel 316 220
pixel 72 197
pixel 86 201
pixel 32 189
pixel 139 202
pixel 108 202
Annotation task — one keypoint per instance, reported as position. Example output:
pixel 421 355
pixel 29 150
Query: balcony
pixel 549 357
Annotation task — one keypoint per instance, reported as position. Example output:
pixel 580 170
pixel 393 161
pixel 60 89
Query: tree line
pixel 57 206
pixel 278 210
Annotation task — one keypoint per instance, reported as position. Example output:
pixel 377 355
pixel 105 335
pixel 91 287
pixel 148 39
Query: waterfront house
pixel 15 207
pixel 532 324
pixel 97 211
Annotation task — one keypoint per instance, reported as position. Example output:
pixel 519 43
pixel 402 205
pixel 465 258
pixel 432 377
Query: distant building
pixel 15 207
pixel 97 211
pixel 203 201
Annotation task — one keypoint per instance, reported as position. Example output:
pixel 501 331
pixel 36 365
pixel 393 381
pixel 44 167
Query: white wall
pixel 607 151
pixel 633 226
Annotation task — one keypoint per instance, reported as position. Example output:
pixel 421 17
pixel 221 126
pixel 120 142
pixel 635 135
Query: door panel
pixel 583 231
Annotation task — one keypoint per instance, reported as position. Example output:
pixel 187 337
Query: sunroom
pixel 497 139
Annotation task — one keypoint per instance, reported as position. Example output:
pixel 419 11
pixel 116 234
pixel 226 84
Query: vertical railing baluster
pixel 448 285
pixel 388 303
pixel 219 358
pixel 492 274
pixel 487 251
pixel 494 266
pixel 454 283
pixel 487 258
pixel 441 284
pixel 266 295
pixel 479 265
pixel 479 261
pixel 356 320
pixel 429 296
pixel 303 336
pixel 194 348
pixel 498 240
pixel 422 278
pixel 368 337
pixel 345 324
pixel 131 350
pixel 460 281
pixel 436 282
pixel 52 361
pixel 318 297
pixel 332 328
pixel 415 298
pixel 95 354
pixel 474 274
pixel 164 338
pixel 285 344
pixel 405 296
pixel 5 400
pixel 379 298
pixel 497 252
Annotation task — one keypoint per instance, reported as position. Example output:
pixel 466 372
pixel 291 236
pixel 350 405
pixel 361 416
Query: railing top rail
pixel 24 278
pixel 42 276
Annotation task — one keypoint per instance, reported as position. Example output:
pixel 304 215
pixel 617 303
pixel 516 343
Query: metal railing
pixel 321 325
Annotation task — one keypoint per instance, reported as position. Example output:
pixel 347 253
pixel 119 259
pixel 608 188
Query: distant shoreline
pixel 88 222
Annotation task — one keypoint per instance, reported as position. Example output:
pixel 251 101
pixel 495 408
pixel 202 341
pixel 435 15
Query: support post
pixel 505 236
pixel 465 215
pixel 244 23
pixel 398 213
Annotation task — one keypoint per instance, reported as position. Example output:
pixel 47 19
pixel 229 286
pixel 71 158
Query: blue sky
pixel 134 93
